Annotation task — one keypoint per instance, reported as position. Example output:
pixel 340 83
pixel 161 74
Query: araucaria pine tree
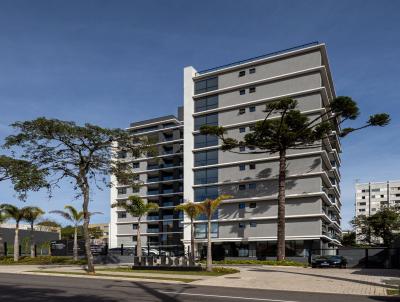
pixel 284 128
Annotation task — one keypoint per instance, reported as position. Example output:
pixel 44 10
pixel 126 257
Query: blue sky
pixel 113 62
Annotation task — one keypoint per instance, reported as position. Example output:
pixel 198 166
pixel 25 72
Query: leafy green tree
pixel 349 239
pixel 75 217
pixel 24 175
pixel 49 223
pixel 384 224
pixel 208 207
pixel 192 210
pixel 136 207
pixel 3 219
pixel 284 128
pixel 32 214
pixel 18 214
pixel 81 154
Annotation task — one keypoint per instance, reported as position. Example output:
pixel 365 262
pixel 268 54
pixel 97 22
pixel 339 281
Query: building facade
pixel 104 229
pixel 161 174
pixel 234 96
pixel 370 197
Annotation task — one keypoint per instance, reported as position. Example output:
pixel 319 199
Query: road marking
pixel 230 297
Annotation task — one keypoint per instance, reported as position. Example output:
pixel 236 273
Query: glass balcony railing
pixel 168 217
pixel 153 217
pixel 153 230
pixel 153 192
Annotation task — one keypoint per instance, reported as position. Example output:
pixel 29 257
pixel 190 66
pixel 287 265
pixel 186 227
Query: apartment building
pixel 234 96
pixel 161 176
pixel 370 197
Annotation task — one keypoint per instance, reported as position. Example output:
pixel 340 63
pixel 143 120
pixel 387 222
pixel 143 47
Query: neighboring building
pixel 105 229
pixel 234 96
pixel 370 197
pixel 162 178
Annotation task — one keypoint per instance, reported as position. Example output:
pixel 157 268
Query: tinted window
pixel 206 158
pixel 201 194
pixel 209 119
pixel 201 141
pixel 206 176
pixel 205 85
pixel 207 103
pixel 242 73
pixel 252 70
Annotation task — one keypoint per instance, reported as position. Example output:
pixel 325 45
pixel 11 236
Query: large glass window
pixel 205 85
pixel 201 141
pixel 201 194
pixel 206 158
pixel 209 119
pixel 201 230
pixel 207 103
pixel 206 176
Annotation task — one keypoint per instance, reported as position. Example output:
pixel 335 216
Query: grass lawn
pixel 217 271
pixel 41 260
pixel 186 280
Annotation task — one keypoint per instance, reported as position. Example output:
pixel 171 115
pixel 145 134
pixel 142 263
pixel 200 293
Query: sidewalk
pixel 335 281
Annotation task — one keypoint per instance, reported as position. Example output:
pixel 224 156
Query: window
pixel 242 225
pixel 201 230
pixel 209 119
pixel 242 148
pixel 242 129
pixel 242 187
pixel 252 109
pixel 207 103
pixel 242 73
pixel 121 191
pixel 252 205
pixel 122 154
pixel 201 141
pixel 201 194
pixel 242 92
pixel 252 89
pixel 135 165
pixel 242 110
pixel 363 197
pixel 253 224
pixel 252 70
pixel 206 176
pixel 251 148
pixel 375 190
pixel 252 127
pixel 205 85
pixel 121 214
pixel 252 166
pixel 242 167
pixel 206 158
pixel 134 226
pixel 382 196
pixel 252 186
pixel 242 205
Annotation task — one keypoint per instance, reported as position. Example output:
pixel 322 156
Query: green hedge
pixel 41 260
pixel 262 262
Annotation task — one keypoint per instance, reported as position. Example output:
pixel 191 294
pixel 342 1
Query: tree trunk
pixel 139 241
pixel 209 251
pixel 192 256
pixel 16 242
pixel 32 242
pixel 86 221
pixel 281 207
pixel 75 248
pixel 2 251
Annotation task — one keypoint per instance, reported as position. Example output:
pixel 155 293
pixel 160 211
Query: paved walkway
pixel 371 282
pixel 338 281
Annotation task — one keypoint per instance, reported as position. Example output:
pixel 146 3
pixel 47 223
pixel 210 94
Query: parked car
pixel 329 261
pixel 127 251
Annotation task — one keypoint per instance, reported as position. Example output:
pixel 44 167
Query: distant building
pixel 105 228
pixel 370 197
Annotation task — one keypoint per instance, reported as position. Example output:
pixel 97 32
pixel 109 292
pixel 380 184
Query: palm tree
pixel 3 219
pixel 136 207
pixel 17 214
pixel 31 216
pixel 192 210
pixel 71 214
pixel 208 207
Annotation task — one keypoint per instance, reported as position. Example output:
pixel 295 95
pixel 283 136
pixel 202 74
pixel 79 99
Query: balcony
pixel 153 230
pixel 153 217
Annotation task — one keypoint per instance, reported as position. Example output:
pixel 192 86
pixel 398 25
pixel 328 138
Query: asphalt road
pixel 30 288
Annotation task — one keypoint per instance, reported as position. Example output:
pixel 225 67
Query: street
pixel 21 288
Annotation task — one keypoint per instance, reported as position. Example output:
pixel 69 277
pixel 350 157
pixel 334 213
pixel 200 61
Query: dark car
pixel 329 261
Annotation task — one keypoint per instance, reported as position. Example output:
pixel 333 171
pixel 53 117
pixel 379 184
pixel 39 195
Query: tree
pixel 82 154
pixel 349 239
pixel 208 207
pixel 136 207
pixel 31 216
pixel 285 127
pixel 49 223
pixel 384 224
pixel 24 175
pixel 18 214
pixel 75 217
pixel 192 210
pixel 3 219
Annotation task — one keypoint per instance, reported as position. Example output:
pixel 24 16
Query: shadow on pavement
pixel 14 293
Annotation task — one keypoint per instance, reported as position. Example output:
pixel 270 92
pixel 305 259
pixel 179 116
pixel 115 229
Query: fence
pixel 25 249
pixel 372 257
